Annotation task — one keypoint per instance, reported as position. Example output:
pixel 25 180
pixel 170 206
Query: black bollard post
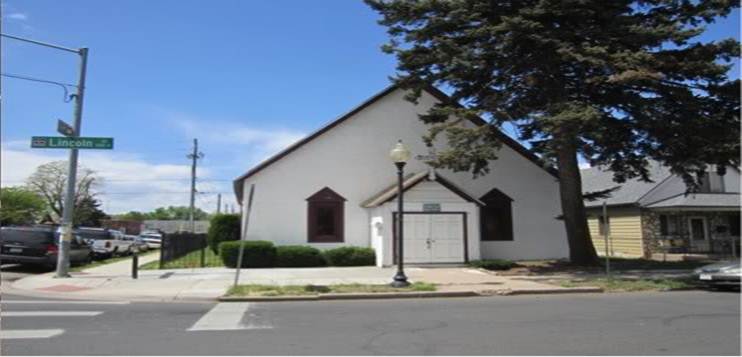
pixel 135 265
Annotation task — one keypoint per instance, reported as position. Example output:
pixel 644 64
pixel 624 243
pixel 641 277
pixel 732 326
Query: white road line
pixel 23 334
pixel 226 316
pixel 49 313
pixel 77 302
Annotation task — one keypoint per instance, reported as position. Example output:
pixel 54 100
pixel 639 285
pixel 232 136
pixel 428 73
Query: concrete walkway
pixel 113 281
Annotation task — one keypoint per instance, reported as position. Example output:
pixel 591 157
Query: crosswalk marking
pixel 49 313
pixel 226 316
pixel 72 302
pixel 24 334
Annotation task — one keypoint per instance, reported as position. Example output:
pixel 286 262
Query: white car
pixel 106 242
pixel 137 244
pixel 152 239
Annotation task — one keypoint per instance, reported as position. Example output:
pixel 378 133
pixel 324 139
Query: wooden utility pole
pixel 194 156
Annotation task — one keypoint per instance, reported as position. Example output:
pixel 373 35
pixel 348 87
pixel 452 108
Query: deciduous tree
pixel 20 206
pixel 50 182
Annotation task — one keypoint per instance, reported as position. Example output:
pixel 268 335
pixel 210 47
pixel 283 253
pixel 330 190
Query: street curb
pixel 350 296
pixel 267 298
pixel 581 290
pixel 419 294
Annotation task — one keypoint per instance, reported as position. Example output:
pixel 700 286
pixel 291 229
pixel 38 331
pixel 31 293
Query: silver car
pixel 722 274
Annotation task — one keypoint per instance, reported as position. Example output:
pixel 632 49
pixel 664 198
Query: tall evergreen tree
pixel 88 213
pixel 618 82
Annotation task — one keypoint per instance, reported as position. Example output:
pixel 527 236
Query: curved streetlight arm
pixel 73 50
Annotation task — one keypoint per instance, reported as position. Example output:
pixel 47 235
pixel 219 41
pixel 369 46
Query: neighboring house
pixel 125 226
pixel 646 218
pixel 336 187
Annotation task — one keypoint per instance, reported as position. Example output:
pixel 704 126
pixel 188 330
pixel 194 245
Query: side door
pixel 699 237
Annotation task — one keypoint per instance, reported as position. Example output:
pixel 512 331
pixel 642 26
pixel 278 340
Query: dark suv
pixel 38 246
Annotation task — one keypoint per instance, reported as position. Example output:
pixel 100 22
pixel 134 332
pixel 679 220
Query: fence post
pixel 135 265
pixel 163 243
pixel 203 251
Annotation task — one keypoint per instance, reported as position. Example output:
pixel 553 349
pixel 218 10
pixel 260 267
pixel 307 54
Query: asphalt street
pixel 693 322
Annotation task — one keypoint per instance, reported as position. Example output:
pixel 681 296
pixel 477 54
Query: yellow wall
pixel 625 231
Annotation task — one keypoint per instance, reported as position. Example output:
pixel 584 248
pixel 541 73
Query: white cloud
pixel 17 16
pixel 129 182
pixel 584 165
pixel 262 143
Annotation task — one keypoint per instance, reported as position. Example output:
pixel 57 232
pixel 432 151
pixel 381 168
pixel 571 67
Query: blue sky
pixel 245 77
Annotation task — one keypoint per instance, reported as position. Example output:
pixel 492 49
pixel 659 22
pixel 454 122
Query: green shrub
pixel 223 228
pixel 493 264
pixel 257 254
pixel 298 256
pixel 350 256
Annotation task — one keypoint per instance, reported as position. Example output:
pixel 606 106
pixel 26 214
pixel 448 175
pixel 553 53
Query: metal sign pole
pixel 244 235
pixel 605 237
pixel 65 237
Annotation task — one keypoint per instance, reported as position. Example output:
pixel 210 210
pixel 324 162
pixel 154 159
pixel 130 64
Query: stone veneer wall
pixel 651 226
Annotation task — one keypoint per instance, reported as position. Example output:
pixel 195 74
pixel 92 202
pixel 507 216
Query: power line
pixel 149 180
pixel 161 193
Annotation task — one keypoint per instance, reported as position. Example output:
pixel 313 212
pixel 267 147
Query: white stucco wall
pixel 352 160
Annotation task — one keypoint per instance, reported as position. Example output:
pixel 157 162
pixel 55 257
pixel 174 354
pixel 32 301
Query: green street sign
pixel 61 142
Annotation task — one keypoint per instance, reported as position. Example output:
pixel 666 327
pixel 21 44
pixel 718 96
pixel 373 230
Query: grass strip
pixel 312 290
pixel 628 284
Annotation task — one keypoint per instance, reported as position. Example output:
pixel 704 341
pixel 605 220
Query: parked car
pixel 722 274
pixel 39 246
pixel 106 242
pixel 152 239
pixel 137 244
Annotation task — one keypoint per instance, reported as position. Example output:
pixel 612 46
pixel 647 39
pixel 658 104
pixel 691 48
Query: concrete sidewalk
pixel 113 281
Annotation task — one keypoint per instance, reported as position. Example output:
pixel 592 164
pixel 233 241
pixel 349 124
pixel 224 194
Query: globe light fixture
pixel 399 155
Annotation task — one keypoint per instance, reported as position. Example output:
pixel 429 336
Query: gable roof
pixel 596 179
pixel 435 92
pixel 411 181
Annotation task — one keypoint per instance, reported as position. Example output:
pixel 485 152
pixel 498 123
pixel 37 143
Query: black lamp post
pixel 399 155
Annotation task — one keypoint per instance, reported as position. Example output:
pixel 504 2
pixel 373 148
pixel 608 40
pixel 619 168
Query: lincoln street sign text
pixel 60 142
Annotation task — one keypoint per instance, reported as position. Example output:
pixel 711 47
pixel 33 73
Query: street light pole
pixel 400 154
pixel 65 236
pixel 63 256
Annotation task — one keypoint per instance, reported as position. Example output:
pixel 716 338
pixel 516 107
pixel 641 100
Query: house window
pixel 668 225
pixel 325 217
pixel 496 217
pixel 604 222
pixel 734 224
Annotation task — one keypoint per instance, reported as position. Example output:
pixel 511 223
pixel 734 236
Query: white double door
pixel 434 238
